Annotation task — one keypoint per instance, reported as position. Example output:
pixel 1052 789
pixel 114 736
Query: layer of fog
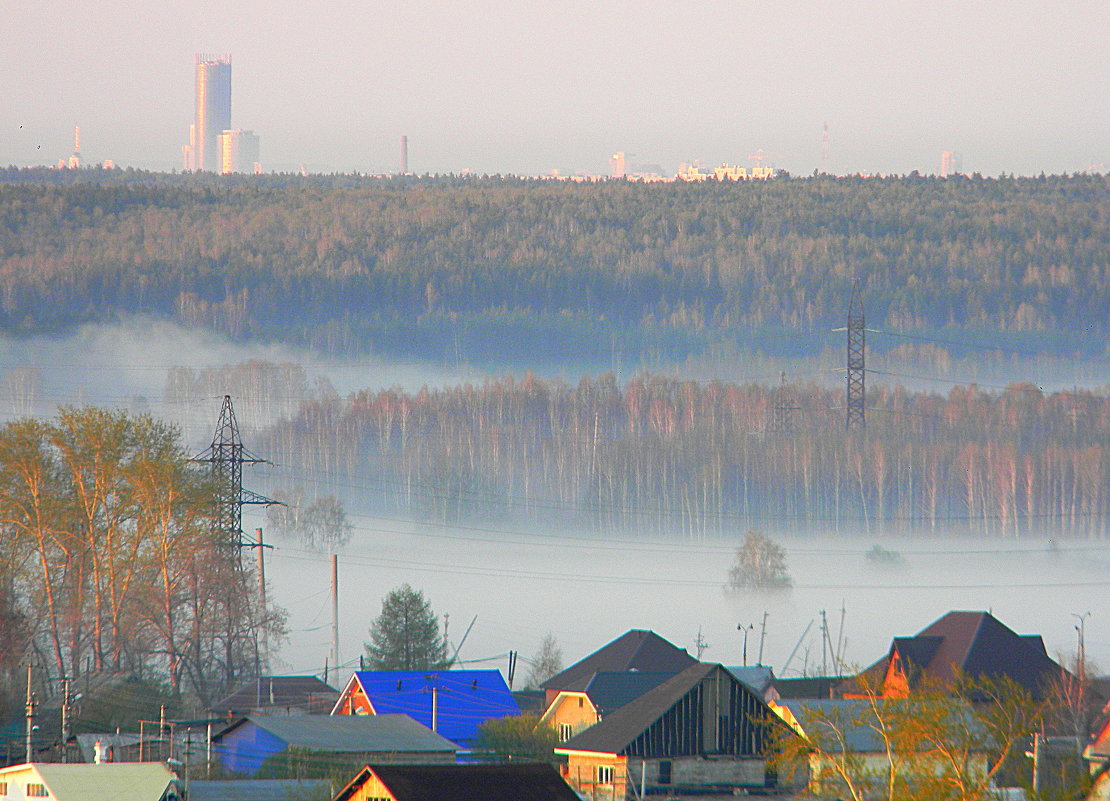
pixel 584 592
pixel 520 587
pixel 127 365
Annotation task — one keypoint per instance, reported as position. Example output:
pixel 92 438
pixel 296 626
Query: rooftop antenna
pixel 227 456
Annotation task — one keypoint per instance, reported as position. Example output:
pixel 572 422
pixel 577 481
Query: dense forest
pixel 501 267
pixel 703 459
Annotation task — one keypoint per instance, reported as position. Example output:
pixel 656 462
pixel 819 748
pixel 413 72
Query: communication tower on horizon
pixel 404 155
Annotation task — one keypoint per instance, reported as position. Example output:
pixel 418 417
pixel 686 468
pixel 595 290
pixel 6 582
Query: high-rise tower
pixel 213 111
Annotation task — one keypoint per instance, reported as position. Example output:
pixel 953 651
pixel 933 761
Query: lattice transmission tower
pixel 782 421
pixel 857 365
pixel 227 456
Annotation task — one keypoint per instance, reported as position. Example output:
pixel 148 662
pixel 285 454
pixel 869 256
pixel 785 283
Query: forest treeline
pixel 519 268
pixel 112 564
pixel 664 455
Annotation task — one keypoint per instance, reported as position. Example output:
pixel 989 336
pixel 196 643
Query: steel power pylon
pixel 782 421
pixel 227 456
pixel 857 367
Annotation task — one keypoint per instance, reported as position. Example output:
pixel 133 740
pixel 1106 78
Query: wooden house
pixel 701 731
pixel 501 782
pixel 453 703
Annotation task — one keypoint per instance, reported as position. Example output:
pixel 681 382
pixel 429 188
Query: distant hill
pixel 527 267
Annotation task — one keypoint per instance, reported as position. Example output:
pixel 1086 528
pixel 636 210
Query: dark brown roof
pixel 279 692
pixel 624 725
pixel 637 649
pixel 977 645
pixel 501 782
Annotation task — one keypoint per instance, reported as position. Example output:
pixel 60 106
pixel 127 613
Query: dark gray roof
pixel 348 733
pixel 259 790
pixel 818 717
pixel 611 689
pixel 500 782
pixel 281 692
pixel 617 730
pixel 637 649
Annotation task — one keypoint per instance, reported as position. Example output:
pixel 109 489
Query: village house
pixel 971 644
pixel 637 649
pixel 700 731
pixel 574 711
pixel 244 746
pixel 278 695
pixel 501 782
pixel 453 703
pixel 148 781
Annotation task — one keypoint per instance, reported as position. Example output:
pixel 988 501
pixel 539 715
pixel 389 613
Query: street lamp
pixel 745 629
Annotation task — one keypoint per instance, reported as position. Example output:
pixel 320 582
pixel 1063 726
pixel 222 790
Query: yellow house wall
pixel 576 710
pixel 581 774
pixel 372 790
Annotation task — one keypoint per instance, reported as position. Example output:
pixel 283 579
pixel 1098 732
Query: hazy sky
pixel 498 86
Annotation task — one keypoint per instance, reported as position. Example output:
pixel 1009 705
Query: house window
pixel 664 771
pixel 35 790
pixel 604 774
pixel 3 788
pixel 581 702
pixel 565 732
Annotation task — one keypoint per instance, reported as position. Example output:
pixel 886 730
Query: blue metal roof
pixel 464 698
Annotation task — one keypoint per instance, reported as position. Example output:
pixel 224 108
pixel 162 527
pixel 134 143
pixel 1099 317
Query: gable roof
pixel 117 781
pixel 281 692
pixel 350 734
pixel 637 649
pixel 464 699
pixel 611 689
pixel 498 782
pixel 975 644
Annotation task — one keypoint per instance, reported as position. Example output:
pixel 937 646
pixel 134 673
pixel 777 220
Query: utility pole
pixel 65 718
pixel 700 644
pixel 762 637
pixel 30 716
pixel 824 644
pixel 335 610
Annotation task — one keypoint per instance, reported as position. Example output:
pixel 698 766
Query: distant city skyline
pixel 1010 85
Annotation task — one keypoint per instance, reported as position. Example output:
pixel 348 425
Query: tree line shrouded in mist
pixel 503 267
pixel 111 556
pixel 660 454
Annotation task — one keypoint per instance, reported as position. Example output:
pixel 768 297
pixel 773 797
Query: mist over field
pixel 521 581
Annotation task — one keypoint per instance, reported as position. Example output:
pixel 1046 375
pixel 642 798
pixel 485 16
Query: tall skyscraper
pixel 213 112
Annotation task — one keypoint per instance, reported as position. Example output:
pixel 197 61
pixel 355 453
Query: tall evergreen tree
pixel 406 635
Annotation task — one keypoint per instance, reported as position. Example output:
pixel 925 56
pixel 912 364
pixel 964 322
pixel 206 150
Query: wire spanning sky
pixel 499 86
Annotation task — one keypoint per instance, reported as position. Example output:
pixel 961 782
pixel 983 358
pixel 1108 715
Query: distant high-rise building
pixel 404 155
pixel 75 159
pixel 239 151
pixel 213 111
pixel 617 167
pixel 951 163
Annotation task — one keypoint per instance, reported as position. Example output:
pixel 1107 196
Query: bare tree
pixel 760 564
pixel 547 662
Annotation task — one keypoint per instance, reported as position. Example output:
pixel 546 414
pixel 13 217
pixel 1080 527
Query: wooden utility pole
pixel 30 716
pixel 335 611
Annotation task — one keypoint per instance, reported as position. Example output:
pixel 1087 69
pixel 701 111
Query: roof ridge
pixel 974 638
